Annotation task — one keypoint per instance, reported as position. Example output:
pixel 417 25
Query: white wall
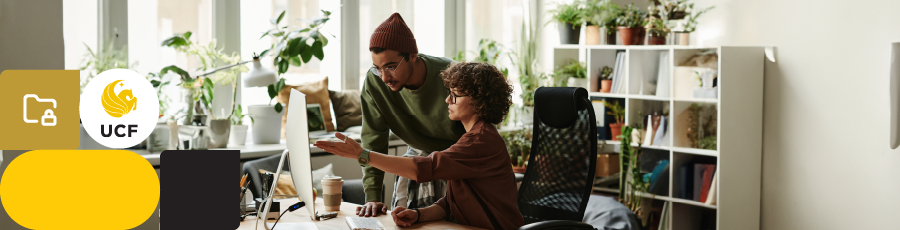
pixel 31 35
pixel 826 157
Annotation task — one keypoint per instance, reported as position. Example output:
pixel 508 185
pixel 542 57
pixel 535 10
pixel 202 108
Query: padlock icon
pixel 48 115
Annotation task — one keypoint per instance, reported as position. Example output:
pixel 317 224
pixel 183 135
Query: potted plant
pixel 631 25
pixel 658 27
pixel 690 24
pixel 518 144
pixel 575 74
pixel 569 17
pixel 217 69
pixel 238 128
pixel 618 112
pixel 293 46
pixel 602 14
pixel 633 184
pixel 605 79
pixel 525 60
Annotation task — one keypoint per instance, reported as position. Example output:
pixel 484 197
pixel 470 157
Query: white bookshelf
pixel 738 156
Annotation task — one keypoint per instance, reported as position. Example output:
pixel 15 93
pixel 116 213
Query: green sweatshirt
pixel 419 117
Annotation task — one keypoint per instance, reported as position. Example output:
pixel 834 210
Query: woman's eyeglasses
pixel 453 96
pixel 389 70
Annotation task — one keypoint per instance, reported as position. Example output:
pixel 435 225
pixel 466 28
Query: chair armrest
pixel 557 224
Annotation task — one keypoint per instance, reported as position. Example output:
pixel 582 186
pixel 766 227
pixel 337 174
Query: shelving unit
pixel 738 112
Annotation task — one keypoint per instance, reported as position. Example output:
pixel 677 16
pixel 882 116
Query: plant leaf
pixel 175 41
pixel 184 74
pixel 278 107
pixel 264 52
pixel 272 92
pixel 279 85
pixel 187 35
pixel 317 50
pixel 306 53
pixel 295 60
pixel 327 13
pixel 275 21
pixel 295 46
pixel 283 66
pixel 323 40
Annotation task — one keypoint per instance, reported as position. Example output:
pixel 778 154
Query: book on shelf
pixel 648 131
pixel 687 178
pixel 696 181
pixel 662 76
pixel 664 217
pixel 713 189
pixel 708 171
pixel 660 131
pixel 618 76
pixel 697 185
pixel 600 114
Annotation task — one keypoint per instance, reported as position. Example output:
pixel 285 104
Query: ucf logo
pixel 118 105
pixel 118 112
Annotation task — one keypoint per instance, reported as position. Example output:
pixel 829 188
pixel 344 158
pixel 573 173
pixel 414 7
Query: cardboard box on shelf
pixel 607 164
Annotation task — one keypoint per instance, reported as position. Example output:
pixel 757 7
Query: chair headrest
pixel 558 106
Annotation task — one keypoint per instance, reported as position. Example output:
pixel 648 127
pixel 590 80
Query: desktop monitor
pixel 297 138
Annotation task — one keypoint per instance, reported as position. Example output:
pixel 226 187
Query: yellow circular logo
pixel 118 105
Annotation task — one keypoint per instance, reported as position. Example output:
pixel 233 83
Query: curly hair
pixel 485 84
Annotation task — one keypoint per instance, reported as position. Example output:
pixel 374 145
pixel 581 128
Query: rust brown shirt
pixel 481 186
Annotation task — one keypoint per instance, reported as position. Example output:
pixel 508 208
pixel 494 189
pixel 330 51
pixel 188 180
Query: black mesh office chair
pixel 560 171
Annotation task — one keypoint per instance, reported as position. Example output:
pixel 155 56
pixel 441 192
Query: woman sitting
pixel 481 187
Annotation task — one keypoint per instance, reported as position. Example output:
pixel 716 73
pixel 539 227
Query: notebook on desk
pixel 362 223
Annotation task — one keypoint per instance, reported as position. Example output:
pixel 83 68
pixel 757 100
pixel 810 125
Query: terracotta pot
pixel 611 37
pixel 569 34
pixel 605 86
pixel 656 40
pixel 592 35
pixel 631 36
pixel 517 169
pixel 616 130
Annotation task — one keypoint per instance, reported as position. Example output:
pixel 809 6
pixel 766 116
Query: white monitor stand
pixel 297 137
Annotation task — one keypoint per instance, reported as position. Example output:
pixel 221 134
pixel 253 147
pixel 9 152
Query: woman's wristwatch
pixel 363 158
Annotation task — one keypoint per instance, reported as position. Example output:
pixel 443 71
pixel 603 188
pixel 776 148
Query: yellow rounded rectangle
pixel 43 189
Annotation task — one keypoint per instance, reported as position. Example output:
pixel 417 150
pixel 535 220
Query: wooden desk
pixel 254 151
pixel 339 222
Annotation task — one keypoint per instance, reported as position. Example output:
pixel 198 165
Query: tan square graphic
pixel 40 109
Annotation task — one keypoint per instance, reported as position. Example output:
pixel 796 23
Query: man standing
pixel 403 93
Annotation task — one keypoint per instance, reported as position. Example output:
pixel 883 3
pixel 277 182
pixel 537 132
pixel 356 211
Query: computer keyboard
pixel 361 223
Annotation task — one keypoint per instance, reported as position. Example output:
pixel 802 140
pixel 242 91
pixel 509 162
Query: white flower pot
pixel 238 135
pixel 578 82
pixel 220 130
pixel 266 127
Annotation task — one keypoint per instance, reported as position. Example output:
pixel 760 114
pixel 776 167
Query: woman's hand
pixel 404 217
pixel 347 148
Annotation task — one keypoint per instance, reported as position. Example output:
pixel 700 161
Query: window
pixel 424 17
pixel 79 30
pixel 151 22
pixel 255 17
pixel 500 21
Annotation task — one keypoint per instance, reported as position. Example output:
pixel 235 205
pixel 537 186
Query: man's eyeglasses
pixel 453 96
pixel 389 70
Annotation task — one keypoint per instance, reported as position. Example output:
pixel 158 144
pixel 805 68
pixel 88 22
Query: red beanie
pixel 393 34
